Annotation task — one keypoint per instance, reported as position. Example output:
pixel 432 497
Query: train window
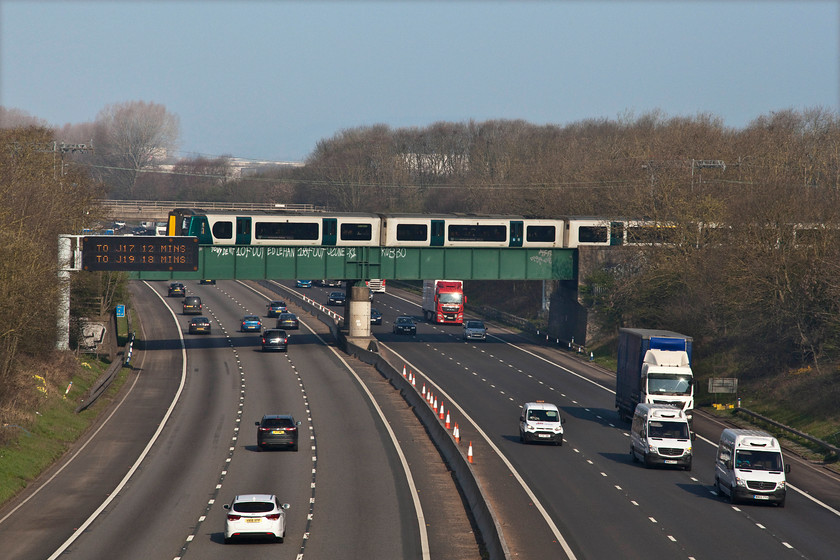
pixel 544 234
pixel 356 232
pixel 223 230
pixel 287 230
pixel 477 233
pixel 592 234
pixel 412 232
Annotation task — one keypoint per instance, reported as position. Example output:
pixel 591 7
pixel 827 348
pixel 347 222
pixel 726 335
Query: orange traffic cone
pixel 440 414
pixel 456 433
pixel 403 370
pixel 447 418
pixel 469 454
pixel 424 389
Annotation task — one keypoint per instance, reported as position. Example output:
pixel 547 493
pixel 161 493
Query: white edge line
pixel 550 522
pixel 145 452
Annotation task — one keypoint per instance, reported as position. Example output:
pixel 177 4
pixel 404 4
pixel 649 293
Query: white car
pixel 255 515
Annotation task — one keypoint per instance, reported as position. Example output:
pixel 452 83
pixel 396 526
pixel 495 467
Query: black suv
pixel 177 289
pixel 192 305
pixel 277 430
pixel 275 339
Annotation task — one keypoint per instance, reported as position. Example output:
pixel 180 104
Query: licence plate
pixel 670 462
pixel 761 497
pixel 543 435
pixel 278 432
pixel 253 520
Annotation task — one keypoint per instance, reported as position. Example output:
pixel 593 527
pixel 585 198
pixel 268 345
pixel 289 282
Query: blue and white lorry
pixel 654 367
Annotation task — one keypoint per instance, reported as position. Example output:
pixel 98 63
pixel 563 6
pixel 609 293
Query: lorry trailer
pixel 654 367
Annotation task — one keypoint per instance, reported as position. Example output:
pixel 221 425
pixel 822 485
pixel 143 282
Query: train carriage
pixel 451 230
pixel 278 228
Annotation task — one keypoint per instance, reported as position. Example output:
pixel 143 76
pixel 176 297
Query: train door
pixel 330 231
pixel 517 229
pixel 616 233
pixel 243 230
pixel 438 229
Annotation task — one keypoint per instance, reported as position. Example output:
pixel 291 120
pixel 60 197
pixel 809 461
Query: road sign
pixel 723 385
pixel 130 253
pixel 120 310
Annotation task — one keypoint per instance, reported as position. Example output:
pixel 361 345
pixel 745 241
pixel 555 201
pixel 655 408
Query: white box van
pixel 750 466
pixel 540 421
pixel 660 435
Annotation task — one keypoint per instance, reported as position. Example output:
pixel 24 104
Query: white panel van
pixel 541 421
pixel 750 466
pixel 660 435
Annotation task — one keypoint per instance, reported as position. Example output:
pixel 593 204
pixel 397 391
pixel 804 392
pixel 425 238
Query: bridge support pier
pixel 358 311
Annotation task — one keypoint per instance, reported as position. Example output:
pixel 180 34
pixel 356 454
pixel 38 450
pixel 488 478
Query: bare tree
pixel 130 137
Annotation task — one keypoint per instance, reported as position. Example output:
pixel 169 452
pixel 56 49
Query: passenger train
pixel 356 229
pixel 353 229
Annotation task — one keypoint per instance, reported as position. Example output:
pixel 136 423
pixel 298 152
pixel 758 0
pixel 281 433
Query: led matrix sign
pixel 130 253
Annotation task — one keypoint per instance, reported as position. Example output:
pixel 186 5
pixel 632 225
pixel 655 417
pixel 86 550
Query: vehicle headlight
pixel 781 485
pixel 740 482
pixel 652 448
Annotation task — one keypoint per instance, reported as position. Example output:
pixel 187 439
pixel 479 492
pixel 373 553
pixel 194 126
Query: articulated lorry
pixel 654 367
pixel 443 301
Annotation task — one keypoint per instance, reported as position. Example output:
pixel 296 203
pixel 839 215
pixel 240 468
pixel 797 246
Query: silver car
pixel 475 330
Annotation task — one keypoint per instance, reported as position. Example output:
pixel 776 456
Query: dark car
pixel 277 430
pixel 207 281
pixel 375 317
pixel 405 325
pixel 250 323
pixel 200 325
pixel 176 289
pixel 287 321
pixel 335 298
pixel 275 308
pixel 275 339
pixel 192 305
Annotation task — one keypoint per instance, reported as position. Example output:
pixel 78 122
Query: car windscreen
pixel 537 415
pixel 668 430
pixel 253 507
pixel 450 297
pixel 758 460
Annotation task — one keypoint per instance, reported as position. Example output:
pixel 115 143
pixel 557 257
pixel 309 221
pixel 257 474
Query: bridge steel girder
pixel 243 262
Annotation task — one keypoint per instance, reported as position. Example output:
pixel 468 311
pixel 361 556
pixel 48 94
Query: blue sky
pixel 269 79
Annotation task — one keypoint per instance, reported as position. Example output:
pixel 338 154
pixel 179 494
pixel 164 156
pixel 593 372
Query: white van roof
pixel 540 405
pixel 661 412
pixel 756 439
